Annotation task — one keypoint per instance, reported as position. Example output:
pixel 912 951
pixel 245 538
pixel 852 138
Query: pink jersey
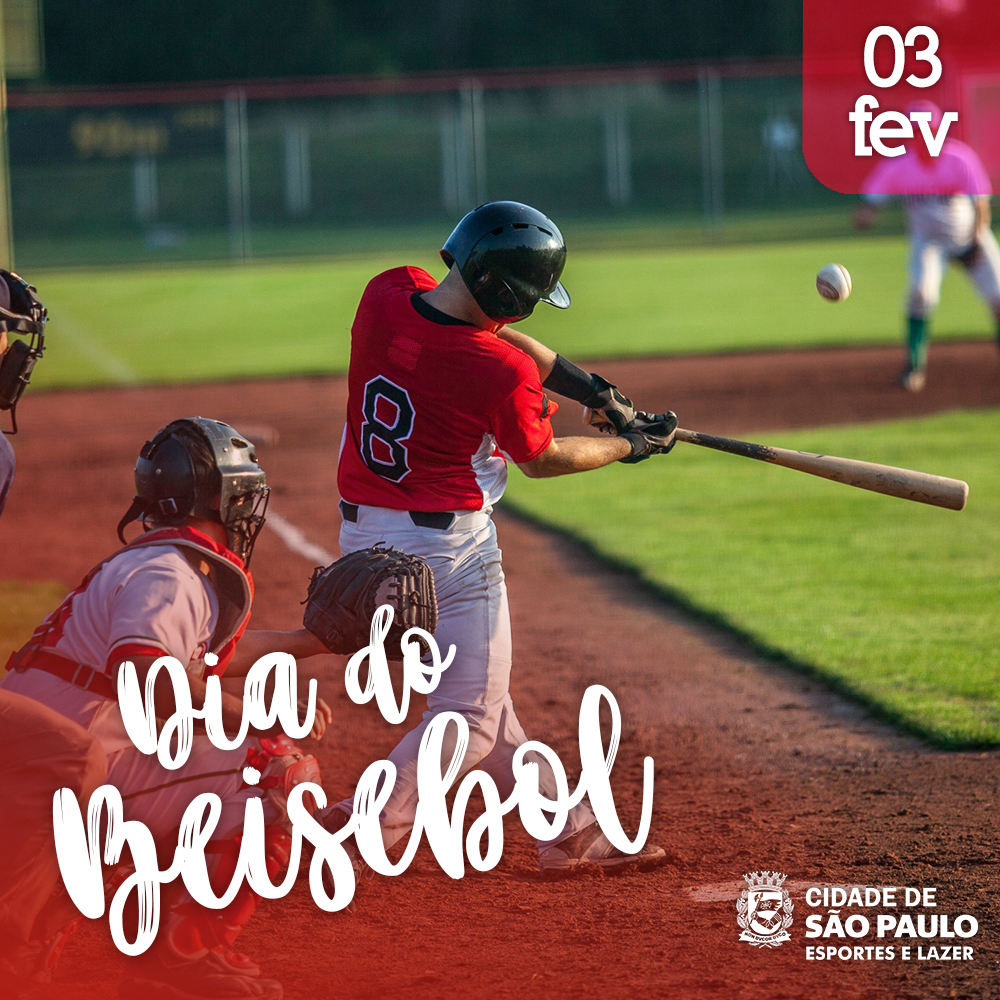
pixel 956 171
pixel 434 404
pixel 938 195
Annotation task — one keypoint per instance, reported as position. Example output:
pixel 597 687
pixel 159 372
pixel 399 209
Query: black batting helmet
pixel 510 257
pixel 201 468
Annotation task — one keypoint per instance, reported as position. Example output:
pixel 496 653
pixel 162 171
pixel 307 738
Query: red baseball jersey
pixel 434 405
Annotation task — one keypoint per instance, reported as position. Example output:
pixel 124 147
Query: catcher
pixel 183 588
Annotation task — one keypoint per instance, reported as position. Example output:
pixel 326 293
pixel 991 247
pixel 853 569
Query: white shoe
pixel 913 379
pixel 591 847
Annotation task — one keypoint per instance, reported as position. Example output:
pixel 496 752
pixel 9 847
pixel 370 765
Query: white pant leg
pixel 158 797
pixel 985 272
pixel 926 270
pixel 473 616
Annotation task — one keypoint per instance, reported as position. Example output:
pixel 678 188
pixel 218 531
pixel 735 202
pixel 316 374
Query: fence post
pixel 463 151
pixel 298 186
pixel 145 189
pixel 6 217
pixel 474 127
pixel 238 173
pixel 712 164
pixel 617 153
pixel 451 161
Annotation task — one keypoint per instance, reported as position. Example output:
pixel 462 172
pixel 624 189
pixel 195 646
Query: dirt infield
pixel 757 767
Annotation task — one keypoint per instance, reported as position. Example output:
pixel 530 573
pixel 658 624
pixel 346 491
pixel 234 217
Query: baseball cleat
pixel 237 962
pixel 591 847
pixel 212 977
pixel 913 379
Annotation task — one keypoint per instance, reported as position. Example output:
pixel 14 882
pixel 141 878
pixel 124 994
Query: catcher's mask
pixel 510 257
pixel 198 467
pixel 23 314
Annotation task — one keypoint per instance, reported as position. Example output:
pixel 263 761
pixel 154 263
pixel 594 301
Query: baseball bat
pixel 904 483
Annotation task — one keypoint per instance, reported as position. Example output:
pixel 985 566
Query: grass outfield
pixel 197 323
pixel 894 602
pixel 24 606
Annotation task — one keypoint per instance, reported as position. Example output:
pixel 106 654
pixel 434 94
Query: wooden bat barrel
pixel 907 484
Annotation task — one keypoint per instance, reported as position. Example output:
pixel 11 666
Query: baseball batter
pixel 947 200
pixel 442 395
pixel 51 751
pixel 181 588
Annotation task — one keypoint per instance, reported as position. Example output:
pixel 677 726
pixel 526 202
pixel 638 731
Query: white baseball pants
pixel 473 616
pixel 929 260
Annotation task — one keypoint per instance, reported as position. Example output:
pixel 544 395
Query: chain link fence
pixel 330 166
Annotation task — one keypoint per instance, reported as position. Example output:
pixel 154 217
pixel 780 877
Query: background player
pixel 441 394
pixel 52 752
pixel 947 201
pixel 21 313
pixel 181 588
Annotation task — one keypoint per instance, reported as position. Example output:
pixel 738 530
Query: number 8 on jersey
pixel 382 434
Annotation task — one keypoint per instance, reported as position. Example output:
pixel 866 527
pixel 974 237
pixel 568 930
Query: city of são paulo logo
pixel 764 910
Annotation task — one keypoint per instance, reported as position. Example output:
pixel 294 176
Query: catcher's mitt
pixel 343 597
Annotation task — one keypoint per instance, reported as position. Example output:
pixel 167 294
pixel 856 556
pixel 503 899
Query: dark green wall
pixel 136 41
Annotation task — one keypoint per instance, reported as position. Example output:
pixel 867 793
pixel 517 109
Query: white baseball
pixel 834 283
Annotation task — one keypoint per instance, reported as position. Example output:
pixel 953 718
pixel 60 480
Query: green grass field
pixel 210 322
pixel 24 606
pixel 894 602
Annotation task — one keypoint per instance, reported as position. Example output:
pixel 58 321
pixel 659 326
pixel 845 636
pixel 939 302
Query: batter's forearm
pixel 576 454
pixel 559 375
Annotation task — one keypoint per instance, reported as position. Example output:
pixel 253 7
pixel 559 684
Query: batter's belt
pixel 422 518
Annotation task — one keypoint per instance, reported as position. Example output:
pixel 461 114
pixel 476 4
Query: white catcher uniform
pixel 173 592
pixel 435 406
pixel 148 600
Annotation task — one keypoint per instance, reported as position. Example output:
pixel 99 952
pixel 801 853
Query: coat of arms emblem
pixel 764 910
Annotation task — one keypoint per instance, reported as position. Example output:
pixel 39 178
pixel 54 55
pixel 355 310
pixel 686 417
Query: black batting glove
pixel 617 407
pixel 650 434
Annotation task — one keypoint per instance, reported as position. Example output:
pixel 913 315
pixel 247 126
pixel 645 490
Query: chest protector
pixel 224 571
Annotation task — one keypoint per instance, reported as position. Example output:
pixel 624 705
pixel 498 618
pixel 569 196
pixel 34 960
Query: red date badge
pixel 902 97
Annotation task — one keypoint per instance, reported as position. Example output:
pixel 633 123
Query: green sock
pixel 917 336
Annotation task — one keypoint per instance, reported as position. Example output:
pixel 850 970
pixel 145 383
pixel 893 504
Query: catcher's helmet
pixel 201 468
pixel 21 313
pixel 510 257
